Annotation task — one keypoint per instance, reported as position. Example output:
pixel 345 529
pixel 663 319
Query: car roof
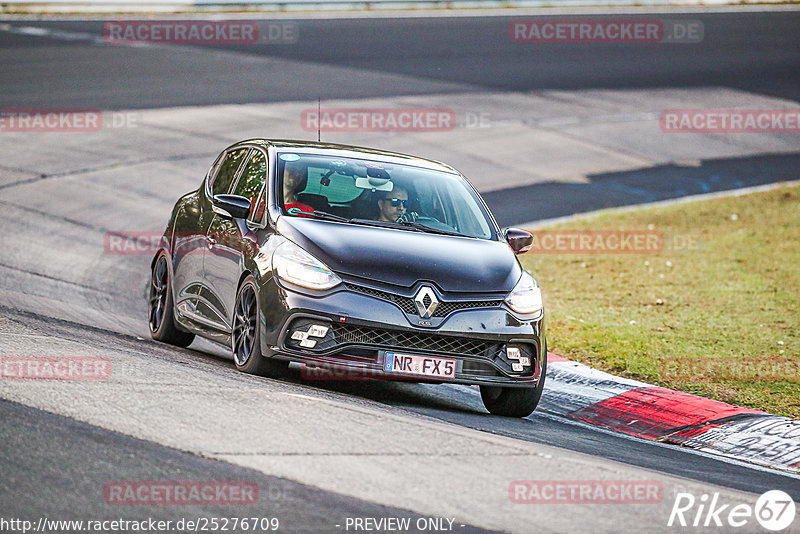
pixel 349 151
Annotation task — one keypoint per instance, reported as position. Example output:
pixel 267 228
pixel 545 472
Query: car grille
pixel 478 369
pixel 363 343
pixel 406 304
pixel 412 340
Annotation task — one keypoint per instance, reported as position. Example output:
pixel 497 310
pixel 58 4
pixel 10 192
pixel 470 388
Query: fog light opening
pixel 515 358
pixel 308 336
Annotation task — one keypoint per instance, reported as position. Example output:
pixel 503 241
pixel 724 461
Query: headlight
pixel 526 297
pixel 295 265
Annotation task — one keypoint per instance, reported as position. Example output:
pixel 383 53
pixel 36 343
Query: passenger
pixel 295 179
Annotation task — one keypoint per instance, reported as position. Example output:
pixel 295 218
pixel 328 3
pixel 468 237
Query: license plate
pixel 410 364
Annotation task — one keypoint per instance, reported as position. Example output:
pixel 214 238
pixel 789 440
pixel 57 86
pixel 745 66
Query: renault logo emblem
pixel 426 302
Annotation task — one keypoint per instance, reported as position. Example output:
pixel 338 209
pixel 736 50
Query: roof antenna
pixel 319 105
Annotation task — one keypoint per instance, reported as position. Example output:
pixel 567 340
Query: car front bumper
pixel 359 330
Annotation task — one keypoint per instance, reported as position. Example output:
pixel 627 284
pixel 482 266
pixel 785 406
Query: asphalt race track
pixel 323 452
pixel 756 52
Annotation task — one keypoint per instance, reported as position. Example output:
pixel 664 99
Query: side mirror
pixel 520 241
pixel 231 206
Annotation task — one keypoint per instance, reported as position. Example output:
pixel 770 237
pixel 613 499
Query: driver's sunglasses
pixel 396 202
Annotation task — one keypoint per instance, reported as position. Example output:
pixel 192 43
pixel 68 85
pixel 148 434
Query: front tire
pixel 514 402
pixel 246 337
pixel 161 318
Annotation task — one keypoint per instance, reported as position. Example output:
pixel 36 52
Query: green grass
pixel 730 305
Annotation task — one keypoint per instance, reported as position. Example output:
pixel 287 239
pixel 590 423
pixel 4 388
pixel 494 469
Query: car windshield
pixel 360 191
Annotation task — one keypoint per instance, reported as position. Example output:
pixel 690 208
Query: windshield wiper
pixel 382 224
pixel 325 216
pixel 410 225
pixel 328 216
pixel 423 228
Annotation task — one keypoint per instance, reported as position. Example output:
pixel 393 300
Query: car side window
pixel 212 172
pixel 227 172
pixel 251 182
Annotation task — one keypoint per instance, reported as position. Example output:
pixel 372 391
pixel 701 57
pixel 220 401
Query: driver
pixel 392 205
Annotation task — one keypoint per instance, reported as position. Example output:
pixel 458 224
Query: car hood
pixel 403 257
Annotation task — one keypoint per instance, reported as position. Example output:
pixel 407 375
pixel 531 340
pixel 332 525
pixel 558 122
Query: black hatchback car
pixel 322 254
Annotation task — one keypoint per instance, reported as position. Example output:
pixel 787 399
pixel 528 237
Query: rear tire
pixel 161 317
pixel 246 336
pixel 514 402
